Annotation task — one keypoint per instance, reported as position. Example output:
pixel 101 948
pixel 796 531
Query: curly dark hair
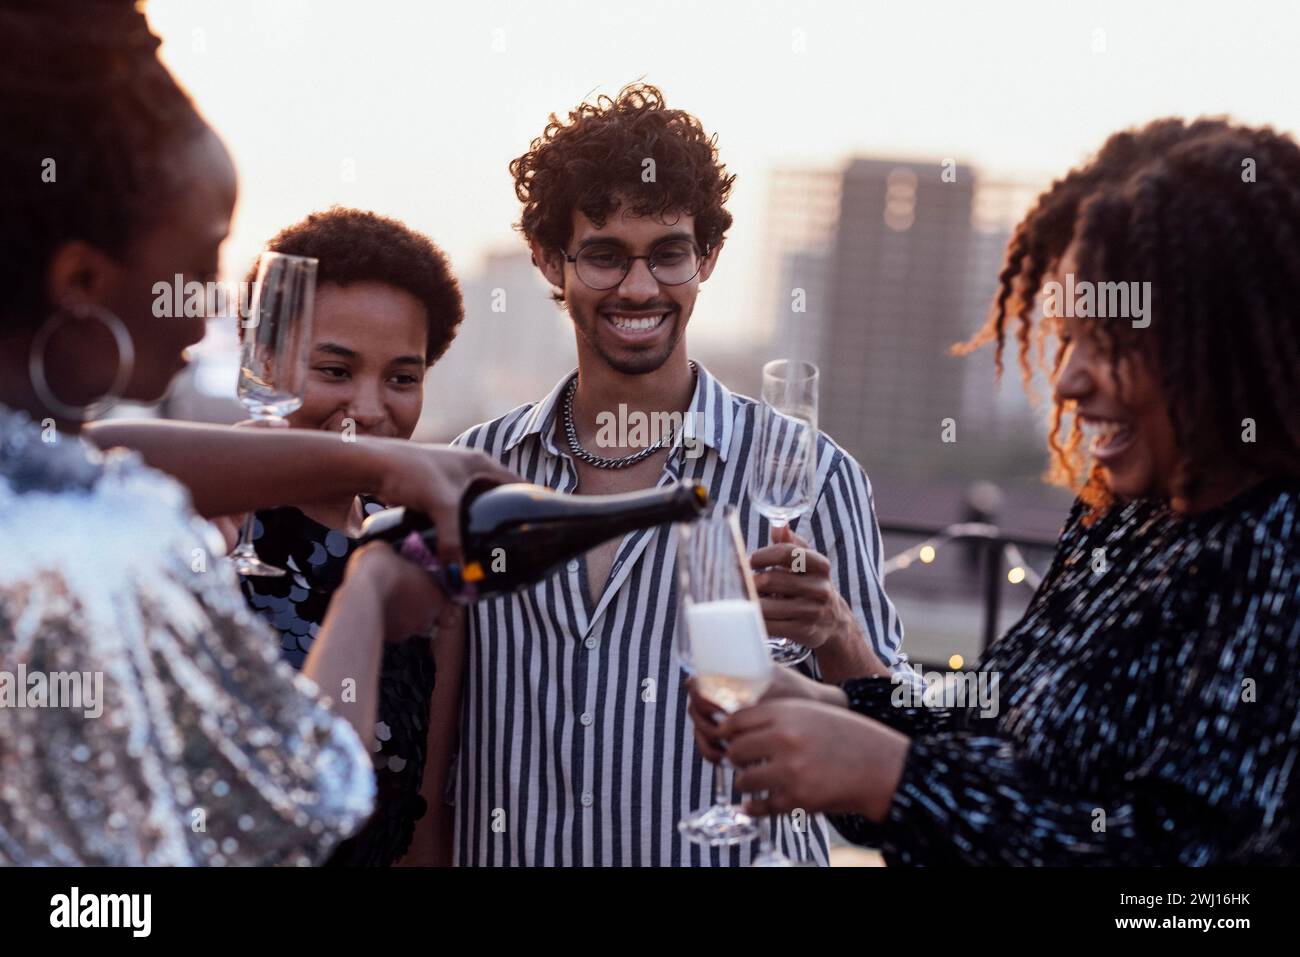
pixel 593 162
pixel 81 87
pixel 355 245
pixel 1171 202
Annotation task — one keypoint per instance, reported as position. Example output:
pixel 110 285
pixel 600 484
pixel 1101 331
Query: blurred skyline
pixel 414 109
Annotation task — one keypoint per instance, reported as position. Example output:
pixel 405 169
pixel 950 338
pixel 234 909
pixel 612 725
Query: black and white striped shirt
pixel 576 748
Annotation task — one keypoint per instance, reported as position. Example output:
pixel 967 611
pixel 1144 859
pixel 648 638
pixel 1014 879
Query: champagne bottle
pixel 515 535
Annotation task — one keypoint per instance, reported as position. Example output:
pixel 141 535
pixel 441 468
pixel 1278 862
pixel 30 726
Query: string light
pixel 1018 564
pixel 1020 571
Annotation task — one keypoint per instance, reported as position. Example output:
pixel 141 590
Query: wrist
pixel 368 570
pixel 370 466
pixel 840 647
pixel 881 772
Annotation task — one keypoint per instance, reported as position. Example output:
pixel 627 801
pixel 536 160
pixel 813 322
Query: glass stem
pixel 245 534
pixel 244 547
pixel 720 795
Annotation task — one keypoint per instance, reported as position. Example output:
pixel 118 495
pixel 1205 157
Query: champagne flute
pixel 783 468
pixel 273 364
pixel 720 641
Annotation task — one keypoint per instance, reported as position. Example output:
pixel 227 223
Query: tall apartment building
pixel 874 270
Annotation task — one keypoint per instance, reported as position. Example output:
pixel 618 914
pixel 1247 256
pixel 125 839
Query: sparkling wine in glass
pixel 273 363
pixel 783 467
pixel 721 642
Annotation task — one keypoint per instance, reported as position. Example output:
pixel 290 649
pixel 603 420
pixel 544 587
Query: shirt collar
pixel 541 418
pixel 708 420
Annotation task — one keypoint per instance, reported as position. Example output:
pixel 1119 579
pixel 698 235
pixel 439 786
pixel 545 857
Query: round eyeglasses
pixel 604 266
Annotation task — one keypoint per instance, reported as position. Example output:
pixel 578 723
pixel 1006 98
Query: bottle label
pixel 414 550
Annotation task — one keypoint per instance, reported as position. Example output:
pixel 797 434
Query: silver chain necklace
pixel 600 461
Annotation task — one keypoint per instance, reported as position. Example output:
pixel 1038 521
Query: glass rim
pixel 718 511
pixel 728 513
pixel 808 369
pixel 270 255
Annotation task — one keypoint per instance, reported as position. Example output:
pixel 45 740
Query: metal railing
pixel 999 554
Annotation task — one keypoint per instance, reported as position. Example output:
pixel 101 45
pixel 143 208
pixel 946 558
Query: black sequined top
pixel 295 605
pixel 1148 706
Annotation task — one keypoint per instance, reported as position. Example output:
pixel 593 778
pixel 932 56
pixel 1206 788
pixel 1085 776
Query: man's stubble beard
pixel 643 363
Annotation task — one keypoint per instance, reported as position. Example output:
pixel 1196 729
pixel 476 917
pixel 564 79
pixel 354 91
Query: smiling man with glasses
pixel 575 743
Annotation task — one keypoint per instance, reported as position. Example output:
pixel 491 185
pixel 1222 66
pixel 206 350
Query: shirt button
pixel 586 799
pixel 591 641
pixel 573 564
pixel 586 719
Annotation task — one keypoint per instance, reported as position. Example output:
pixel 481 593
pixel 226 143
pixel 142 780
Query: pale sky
pixel 424 103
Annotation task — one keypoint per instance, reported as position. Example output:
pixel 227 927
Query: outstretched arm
pixel 229 471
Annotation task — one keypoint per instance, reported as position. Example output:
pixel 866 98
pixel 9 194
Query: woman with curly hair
pixel 1146 709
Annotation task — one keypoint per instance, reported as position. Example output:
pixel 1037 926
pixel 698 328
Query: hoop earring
pixel 125 363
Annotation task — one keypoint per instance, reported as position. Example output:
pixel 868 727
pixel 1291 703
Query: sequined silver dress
pixel 200 746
